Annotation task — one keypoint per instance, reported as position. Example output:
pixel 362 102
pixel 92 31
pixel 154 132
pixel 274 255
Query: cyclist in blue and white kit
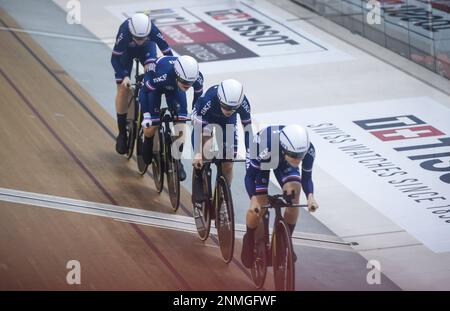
pixel 137 38
pixel 220 106
pixel 172 76
pixel 281 149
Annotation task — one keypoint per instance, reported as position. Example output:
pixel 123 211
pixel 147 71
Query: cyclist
pixel 137 38
pixel 282 149
pixel 219 106
pixel 172 76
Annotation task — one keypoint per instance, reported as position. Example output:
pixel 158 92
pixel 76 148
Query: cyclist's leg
pixel 177 102
pixel 254 215
pixel 123 92
pixel 121 102
pixel 290 180
pixel 150 102
pixel 230 147
pixel 197 181
pixel 227 170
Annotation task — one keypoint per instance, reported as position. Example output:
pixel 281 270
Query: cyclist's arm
pixel 157 37
pixel 154 82
pixel 246 121
pixel 151 56
pixel 119 49
pixel 148 86
pixel 200 123
pixel 307 166
pixel 198 89
pixel 250 177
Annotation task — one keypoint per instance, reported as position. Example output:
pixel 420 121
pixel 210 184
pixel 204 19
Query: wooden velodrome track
pixel 56 140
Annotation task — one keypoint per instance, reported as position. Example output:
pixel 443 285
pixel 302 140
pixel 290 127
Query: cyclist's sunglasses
pixel 138 39
pixel 295 155
pixel 228 108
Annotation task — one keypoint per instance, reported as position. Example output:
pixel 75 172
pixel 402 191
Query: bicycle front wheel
pixel 158 163
pixel 131 127
pixel 259 267
pixel 282 258
pixel 173 181
pixel 142 167
pixel 202 210
pixel 224 219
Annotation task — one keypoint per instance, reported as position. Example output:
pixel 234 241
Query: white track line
pixel 58 35
pixel 149 218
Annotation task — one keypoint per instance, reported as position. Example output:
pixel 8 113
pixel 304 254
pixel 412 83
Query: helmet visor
pixel 295 155
pixel 228 107
pixel 140 39
pixel 185 82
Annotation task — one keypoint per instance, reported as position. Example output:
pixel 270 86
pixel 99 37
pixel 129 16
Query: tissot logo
pixel 236 30
pixel 410 127
pixel 250 27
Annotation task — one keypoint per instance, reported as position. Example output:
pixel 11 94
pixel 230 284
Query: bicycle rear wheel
pixel 158 163
pixel 224 218
pixel 282 260
pixel 173 181
pixel 202 211
pixel 131 127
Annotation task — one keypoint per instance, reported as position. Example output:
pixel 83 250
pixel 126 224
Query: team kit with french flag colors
pixel 285 149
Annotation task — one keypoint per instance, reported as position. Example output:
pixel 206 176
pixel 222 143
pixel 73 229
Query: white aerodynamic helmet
pixel 231 94
pixel 186 69
pixel 140 25
pixel 294 141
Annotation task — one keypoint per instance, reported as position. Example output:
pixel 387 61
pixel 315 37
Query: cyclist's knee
pixel 295 187
pixel 255 212
pixel 122 90
pixel 253 216
pixel 150 131
pixel 227 167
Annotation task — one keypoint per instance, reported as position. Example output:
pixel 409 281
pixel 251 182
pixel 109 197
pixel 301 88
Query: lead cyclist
pixel 281 149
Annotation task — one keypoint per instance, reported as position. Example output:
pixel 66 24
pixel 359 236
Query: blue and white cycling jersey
pixel 125 49
pixel 162 80
pixel 207 111
pixel 270 157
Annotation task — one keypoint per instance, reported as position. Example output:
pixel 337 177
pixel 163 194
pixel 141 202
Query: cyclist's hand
pixel 146 122
pixel 312 204
pixel 198 161
pixel 126 82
